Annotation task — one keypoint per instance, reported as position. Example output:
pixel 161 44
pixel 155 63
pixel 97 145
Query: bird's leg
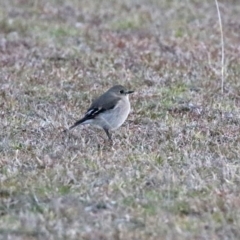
pixel 108 134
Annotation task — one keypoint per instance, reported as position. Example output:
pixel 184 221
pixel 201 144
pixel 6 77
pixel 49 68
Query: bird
pixel 109 111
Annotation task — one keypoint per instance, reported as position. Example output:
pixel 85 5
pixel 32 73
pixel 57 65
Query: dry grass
pixel 173 172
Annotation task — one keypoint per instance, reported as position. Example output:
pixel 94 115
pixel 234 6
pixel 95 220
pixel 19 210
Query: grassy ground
pixel 173 171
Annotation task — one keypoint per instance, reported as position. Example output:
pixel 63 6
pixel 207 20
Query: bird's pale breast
pixel 115 117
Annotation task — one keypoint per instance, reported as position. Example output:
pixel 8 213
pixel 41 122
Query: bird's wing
pixel 100 105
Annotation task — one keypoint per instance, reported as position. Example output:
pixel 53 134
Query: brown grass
pixel 173 171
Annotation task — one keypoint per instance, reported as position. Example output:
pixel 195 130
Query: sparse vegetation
pixel 173 171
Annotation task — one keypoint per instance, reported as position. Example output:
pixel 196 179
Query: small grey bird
pixel 109 111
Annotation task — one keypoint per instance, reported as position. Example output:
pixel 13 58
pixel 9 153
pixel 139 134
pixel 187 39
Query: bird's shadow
pixel 87 138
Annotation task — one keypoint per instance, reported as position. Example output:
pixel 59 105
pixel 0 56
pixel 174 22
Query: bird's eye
pixel 121 91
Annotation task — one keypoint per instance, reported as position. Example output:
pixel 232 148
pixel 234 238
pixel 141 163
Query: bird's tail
pixel 78 122
pixel 75 124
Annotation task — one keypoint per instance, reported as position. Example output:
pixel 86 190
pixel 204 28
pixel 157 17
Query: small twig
pixel 222 43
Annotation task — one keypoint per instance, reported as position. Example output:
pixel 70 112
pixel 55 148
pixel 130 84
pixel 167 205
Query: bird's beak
pixel 129 92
